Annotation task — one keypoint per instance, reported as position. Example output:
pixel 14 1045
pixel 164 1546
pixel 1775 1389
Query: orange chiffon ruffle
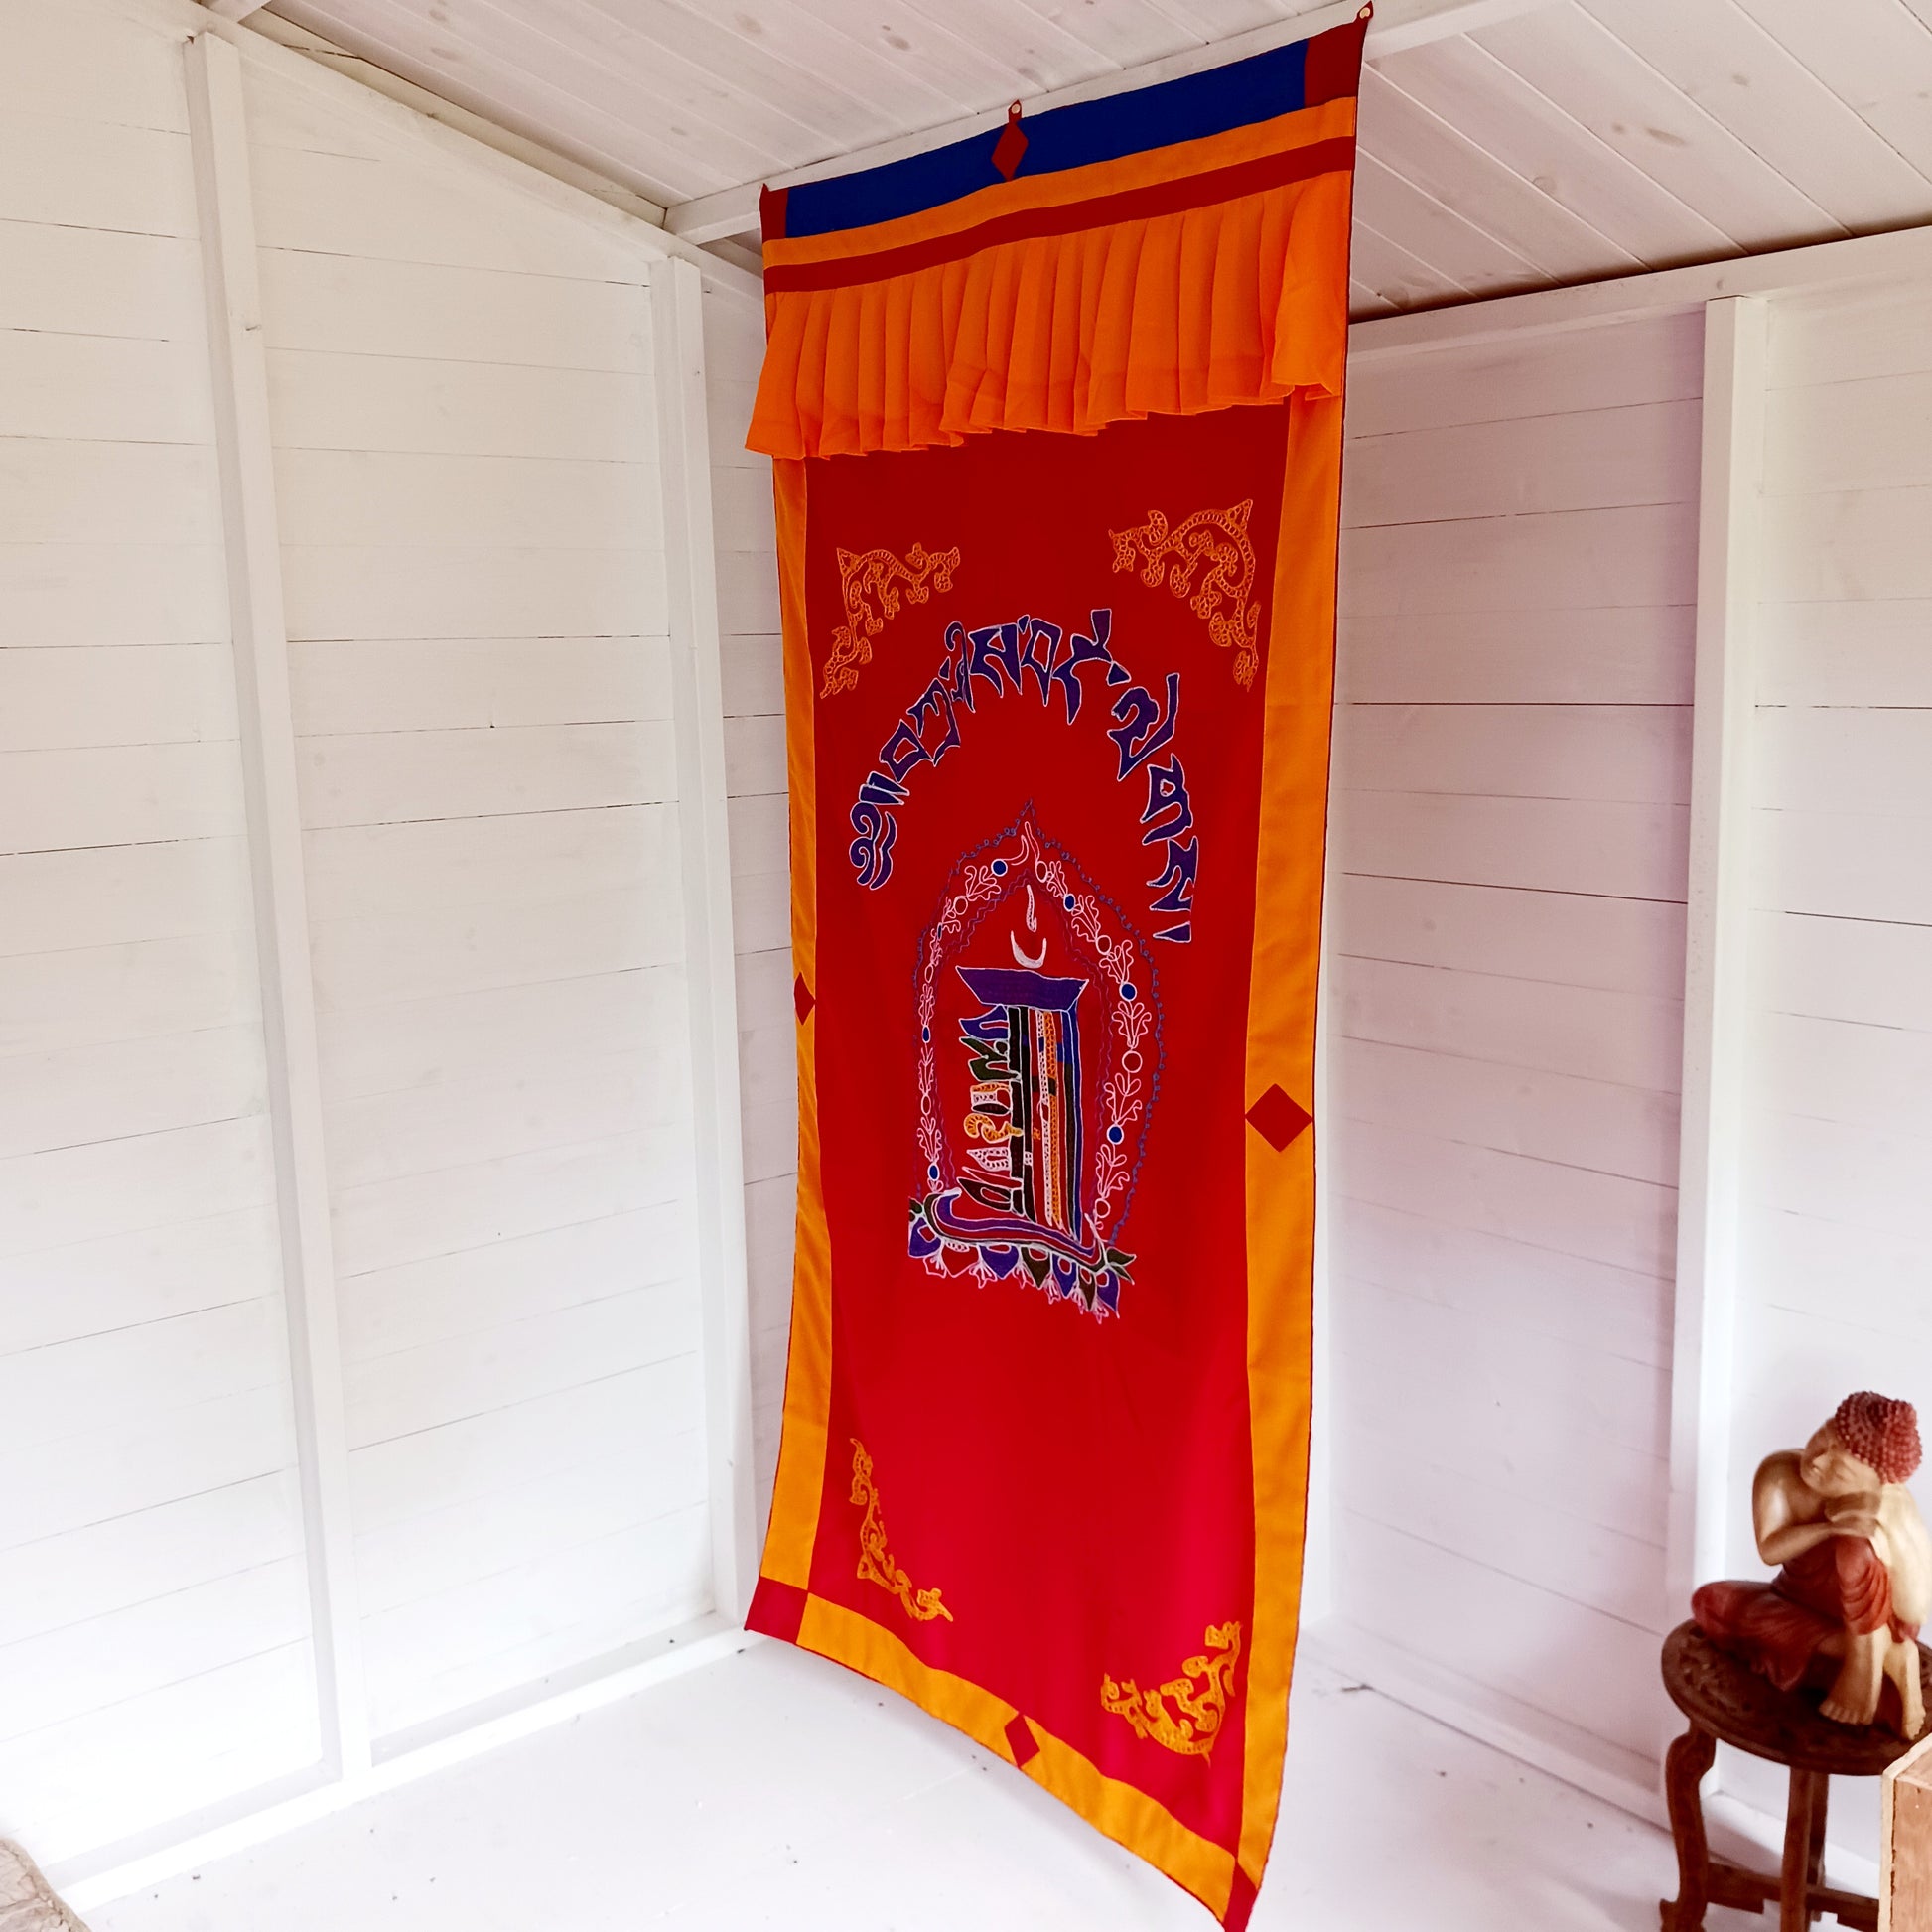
pixel 1244 301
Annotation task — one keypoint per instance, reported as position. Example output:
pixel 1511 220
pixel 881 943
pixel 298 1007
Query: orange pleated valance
pixel 1188 278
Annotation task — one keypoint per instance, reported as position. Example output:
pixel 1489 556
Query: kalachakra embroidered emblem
pixel 1218 540
pixel 871 583
pixel 1187 1711
pixel 876 1565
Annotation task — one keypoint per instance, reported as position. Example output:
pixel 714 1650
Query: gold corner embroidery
pixel 876 1565
pixel 869 577
pixel 1187 1713
pixel 1222 595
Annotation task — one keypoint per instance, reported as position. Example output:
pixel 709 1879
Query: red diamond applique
pixel 1011 145
pixel 1020 1741
pixel 801 998
pixel 1277 1118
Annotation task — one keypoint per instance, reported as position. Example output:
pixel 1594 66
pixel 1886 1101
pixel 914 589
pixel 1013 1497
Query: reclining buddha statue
pixel 1844 1610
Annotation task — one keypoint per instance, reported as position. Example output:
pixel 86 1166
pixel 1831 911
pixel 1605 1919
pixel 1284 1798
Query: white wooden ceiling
pixel 1505 144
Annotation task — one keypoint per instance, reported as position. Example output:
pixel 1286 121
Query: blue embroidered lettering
pixel 1143 728
pixel 1041 641
pixel 996 650
pixel 902 750
pixel 1177 875
pixel 1167 802
pixel 925 715
pixel 1084 651
pixel 872 850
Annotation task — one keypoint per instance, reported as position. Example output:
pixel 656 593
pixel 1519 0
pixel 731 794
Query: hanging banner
pixel 1057 415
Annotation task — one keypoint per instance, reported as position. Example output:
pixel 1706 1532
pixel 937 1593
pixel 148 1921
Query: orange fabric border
pixel 1283 986
pixel 809 1368
pixel 1127 1816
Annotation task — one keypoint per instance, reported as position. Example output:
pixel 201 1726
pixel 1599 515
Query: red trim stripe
pixel 1023 224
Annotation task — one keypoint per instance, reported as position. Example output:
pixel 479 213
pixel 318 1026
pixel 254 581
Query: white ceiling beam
pixel 1397 26
pixel 233 9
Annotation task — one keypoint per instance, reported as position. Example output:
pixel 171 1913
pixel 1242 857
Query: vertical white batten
pixel 261 668
pixel 676 300
pixel 1717 937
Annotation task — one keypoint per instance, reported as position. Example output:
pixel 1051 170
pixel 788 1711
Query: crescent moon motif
pixel 1031 965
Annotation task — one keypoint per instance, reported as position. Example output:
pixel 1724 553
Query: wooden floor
pixel 774 1790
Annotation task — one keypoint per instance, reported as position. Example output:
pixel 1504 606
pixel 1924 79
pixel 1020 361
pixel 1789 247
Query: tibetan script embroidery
pixel 871 583
pixel 876 1565
pixel 1219 541
pixel 1187 1711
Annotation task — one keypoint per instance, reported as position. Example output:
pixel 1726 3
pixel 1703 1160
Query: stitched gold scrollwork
pixel 1208 560
pixel 1187 1713
pixel 876 1565
pixel 871 583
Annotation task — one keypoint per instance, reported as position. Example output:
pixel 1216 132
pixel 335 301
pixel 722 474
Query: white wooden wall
pixel 494 821
pixel 153 1605
pixel 1521 571
pixel 1835 1288
pixel 754 745
pixel 467 478
pixel 1505 992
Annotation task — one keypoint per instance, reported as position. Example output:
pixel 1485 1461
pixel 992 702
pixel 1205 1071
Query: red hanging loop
pixel 1008 149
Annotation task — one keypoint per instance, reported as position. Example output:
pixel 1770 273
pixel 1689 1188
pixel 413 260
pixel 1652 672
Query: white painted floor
pixel 776 1790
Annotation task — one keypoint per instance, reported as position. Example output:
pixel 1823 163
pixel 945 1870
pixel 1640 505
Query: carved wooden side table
pixel 1727 1702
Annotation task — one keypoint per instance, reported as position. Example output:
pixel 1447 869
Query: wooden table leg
pixel 1815 1864
pixel 1794 1888
pixel 1690 1757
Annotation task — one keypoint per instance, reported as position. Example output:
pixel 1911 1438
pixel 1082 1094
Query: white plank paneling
pixel 1469 87
pixel 1636 113
pixel 148 1501
pixel 1504 998
pixel 113 593
pixel 1871 53
pixel 1639 655
pixel 754 707
pixel 469 493
pixel 1472 185
pixel 346 305
pixel 390 403
pixel 1763 95
pixel 1836 1117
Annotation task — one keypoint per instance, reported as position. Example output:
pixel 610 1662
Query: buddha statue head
pixel 1870 1439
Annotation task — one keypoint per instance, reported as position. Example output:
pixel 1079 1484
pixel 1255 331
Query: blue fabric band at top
pixel 1197 104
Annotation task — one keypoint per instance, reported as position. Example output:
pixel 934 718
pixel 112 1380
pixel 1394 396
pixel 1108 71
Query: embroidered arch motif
pixel 871 585
pixel 876 1565
pixel 1187 1713
pixel 1208 560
